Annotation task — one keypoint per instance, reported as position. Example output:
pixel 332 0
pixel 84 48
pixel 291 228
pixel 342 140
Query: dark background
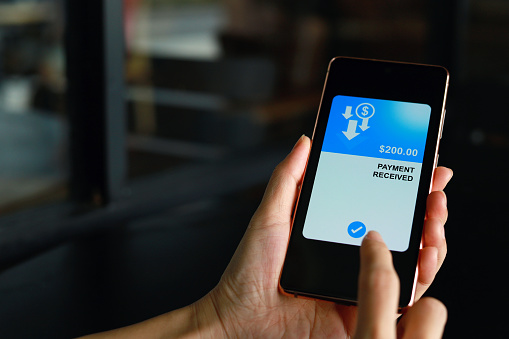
pixel 152 161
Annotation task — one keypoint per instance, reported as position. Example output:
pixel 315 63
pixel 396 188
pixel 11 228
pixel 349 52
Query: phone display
pixel 373 154
pixel 373 149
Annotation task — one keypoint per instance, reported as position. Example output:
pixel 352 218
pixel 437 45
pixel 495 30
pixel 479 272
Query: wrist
pixel 207 320
pixel 198 320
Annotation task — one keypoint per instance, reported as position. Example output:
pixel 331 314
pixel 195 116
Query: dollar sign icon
pixel 365 111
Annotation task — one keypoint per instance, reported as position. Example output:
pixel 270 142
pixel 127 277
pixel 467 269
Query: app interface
pixel 368 172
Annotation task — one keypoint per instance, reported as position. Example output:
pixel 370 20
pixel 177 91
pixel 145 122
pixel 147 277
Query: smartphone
pixel 373 155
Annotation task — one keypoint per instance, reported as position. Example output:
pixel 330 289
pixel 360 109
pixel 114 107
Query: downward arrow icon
pixel 348 112
pixel 350 132
pixel 364 126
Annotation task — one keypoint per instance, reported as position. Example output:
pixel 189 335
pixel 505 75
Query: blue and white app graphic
pixel 368 173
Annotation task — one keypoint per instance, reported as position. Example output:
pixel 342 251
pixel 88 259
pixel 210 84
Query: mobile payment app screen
pixel 368 172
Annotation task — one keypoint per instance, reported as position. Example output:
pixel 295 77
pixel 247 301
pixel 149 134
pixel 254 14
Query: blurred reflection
pixel 32 126
pixel 211 78
pixel 203 85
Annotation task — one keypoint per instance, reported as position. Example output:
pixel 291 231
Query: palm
pixel 268 314
pixel 297 318
pixel 259 310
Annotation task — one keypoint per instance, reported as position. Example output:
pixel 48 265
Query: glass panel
pixel 209 79
pixel 33 137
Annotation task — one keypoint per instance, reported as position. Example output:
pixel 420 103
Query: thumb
pixel 278 201
pixel 263 246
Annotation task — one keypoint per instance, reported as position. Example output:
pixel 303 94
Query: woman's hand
pixel 247 300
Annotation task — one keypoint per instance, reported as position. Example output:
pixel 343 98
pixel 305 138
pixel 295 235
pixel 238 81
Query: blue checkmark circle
pixel 356 229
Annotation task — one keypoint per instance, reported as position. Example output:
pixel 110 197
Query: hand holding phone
pixel 247 303
pixel 248 300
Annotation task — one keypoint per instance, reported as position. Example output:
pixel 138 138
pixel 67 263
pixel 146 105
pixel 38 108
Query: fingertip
pixel 441 178
pixel 432 307
pixel 297 143
pixel 295 161
pixel 373 249
pixel 436 306
pixel 302 140
pixel 373 235
pixel 448 172
pixel 300 151
pixel 374 253
pixel 451 173
pixel 428 315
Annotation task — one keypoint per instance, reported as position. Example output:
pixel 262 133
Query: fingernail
pixel 299 141
pixel 373 235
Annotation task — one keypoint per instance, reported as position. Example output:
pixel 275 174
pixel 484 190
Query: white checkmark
pixel 358 229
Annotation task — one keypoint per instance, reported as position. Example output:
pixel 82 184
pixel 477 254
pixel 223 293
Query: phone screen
pixel 368 171
pixel 370 167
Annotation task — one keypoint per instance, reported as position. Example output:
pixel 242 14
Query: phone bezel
pixel 305 272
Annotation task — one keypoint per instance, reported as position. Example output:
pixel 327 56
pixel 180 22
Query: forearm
pixel 198 320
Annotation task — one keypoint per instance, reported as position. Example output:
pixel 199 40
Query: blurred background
pixel 137 136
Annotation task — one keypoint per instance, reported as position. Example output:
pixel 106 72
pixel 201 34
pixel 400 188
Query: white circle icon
pixel 365 111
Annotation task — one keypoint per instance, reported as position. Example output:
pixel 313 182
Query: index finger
pixel 378 290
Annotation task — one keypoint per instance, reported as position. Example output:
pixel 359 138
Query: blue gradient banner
pixel 377 128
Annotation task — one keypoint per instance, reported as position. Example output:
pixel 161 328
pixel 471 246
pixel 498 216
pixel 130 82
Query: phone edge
pixel 435 163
